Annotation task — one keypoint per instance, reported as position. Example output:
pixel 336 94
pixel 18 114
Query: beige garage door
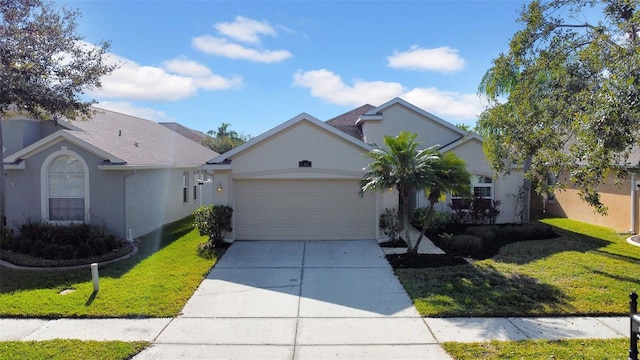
pixel 303 210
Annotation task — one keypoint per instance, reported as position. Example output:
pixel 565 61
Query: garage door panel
pixel 302 210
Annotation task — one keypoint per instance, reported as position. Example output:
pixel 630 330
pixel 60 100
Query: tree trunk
pixel 425 224
pixel 526 192
pixel 3 180
pixel 403 214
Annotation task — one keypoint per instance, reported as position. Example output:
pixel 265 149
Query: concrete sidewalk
pixel 306 300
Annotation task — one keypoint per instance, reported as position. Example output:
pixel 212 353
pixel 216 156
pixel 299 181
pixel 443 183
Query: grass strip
pixel 572 349
pixel 70 349
pixel 156 282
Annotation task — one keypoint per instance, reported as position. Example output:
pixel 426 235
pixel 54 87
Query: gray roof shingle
pixel 139 142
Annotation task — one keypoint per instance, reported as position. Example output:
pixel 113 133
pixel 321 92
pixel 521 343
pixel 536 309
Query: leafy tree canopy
pixel 566 96
pixel 223 139
pixel 45 67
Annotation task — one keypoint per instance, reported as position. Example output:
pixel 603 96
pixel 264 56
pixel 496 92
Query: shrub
pixel 38 248
pixel 56 241
pixel 98 247
pixel 25 246
pixel 66 251
pixel 390 224
pixel 84 251
pixel 476 211
pixel 6 236
pixel 440 220
pixel 214 221
pixel 465 244
pixel 51 251
pixel 484 232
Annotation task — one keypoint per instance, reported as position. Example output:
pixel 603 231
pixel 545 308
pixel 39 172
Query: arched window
pixel 66 189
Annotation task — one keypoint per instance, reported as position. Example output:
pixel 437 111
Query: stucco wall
pixel 617 198
pixel 154 198
pixel 279 155
pixel 505 188
pixel 398 118
pixel 24 199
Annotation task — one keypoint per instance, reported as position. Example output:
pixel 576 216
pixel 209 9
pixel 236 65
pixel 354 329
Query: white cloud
pixel 220 46
pixel 328 86
pixel 125 107
pixel 245 29
pixel 442 59
pixel 177 79
pixel 449 104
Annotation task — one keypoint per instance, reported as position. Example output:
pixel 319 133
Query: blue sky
pixel 256 64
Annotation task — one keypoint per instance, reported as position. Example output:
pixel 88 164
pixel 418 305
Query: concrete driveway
pixel 298 300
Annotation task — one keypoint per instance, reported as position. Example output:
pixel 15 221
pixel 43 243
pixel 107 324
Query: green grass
pixel 156 282
pixel 574 349
pixel 589 270
pixel 70 349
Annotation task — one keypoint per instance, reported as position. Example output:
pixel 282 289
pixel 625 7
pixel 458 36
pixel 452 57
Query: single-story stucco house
pixel 300 180
pixel 621 200
pixel 129 174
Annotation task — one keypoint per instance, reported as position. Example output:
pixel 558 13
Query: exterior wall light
pixel 219 187
pixel 390 188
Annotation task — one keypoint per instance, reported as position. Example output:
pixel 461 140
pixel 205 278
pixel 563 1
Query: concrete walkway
pixel 306 300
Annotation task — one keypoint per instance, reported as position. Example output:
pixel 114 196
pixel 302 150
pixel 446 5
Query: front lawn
pixel 601 349
pixel 70 349
pixel 588 270
pixel 156 282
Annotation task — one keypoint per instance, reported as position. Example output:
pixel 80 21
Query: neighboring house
pixel 621 199
pixel 300 180
pixel 129 174
pixel 194 135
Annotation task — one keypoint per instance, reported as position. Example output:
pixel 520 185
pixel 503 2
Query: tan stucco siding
pixel 398 118
pixel 617 198
pixel 279 155
pixel 505 188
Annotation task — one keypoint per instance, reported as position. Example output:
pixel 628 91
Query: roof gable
pixel 303 117
pixel 375 114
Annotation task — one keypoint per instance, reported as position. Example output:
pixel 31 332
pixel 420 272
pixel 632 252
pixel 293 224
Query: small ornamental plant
pixel 215 222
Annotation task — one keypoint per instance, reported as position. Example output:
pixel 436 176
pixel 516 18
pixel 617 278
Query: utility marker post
pixel 95 277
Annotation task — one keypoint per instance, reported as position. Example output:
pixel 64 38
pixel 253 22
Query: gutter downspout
pixel 634 205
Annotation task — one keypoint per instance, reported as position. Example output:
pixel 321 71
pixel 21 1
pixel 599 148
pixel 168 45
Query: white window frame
pixel 476 183
pixel 185 187
pixel 44 185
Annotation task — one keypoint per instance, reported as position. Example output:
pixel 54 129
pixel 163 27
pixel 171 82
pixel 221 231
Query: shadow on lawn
pixel 523 252
pixel 481 290
pixel 16 280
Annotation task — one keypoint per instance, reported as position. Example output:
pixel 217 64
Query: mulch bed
pixel 423 261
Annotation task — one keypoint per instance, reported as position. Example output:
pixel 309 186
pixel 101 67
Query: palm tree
pixel 401 165
pixel 450 175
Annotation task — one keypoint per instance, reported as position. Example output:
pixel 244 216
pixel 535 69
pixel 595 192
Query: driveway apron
pixel 298 300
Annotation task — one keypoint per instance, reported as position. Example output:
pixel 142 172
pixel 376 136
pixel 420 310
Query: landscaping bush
pixel 84 251
pixel 440 220
pixel 56 241
pixel 493 237
pixel 66 251
pixel 465 244
pixel 390 224
pixel 6 236
pixel 37 249
pixel 51 251
pixel 484 232
pixel 214 221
